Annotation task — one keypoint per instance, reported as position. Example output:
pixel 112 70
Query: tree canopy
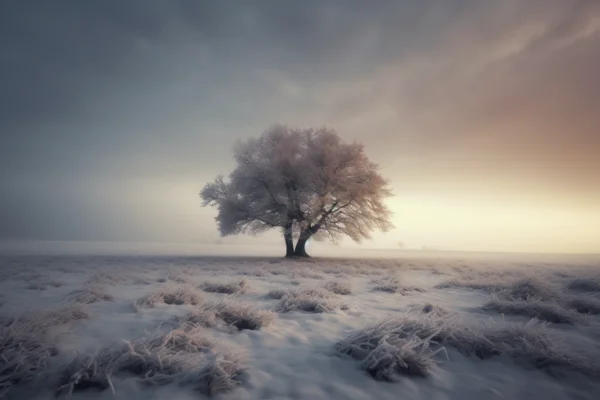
pixel 307 183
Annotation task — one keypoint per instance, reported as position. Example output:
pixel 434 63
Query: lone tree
pixel 307 183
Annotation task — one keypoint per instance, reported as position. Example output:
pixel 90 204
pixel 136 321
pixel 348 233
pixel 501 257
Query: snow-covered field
pixel 99 327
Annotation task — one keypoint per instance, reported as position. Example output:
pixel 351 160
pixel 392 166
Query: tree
pixel 307 183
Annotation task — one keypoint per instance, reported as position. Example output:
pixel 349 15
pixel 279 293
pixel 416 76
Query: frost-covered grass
pixel 484 283
pixel 199 349
pixel 307 273
pixel 584 284
pixel 277 294
pixel 90 294
pixel 200 316
pixel 520 287
pixel 381 347
pixel 583 304
pixel 44 284
pixel 343 287
pixel 187 357
pixel 390 349
pixel 243 316
pixel 179 277
pixel 44 319
pixel 315 300
pixel 534 308
pixel 393 284
pixel 24 354
pixel 240 286
pixel 531 296
pixel 177 295
pixel 427 308
pixel 141 280
pixel 108 278
pixel 532 288
pixel 26 344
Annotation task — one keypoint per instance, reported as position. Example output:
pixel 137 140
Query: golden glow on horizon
pixel 452 224
pixel 449 222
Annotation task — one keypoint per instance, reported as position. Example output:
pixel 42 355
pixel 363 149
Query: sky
pixel 483 114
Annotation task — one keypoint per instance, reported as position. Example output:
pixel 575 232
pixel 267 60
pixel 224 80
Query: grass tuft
pixel 583 304
pixel 532 288
pixel 186 356
pixel 341 287
pixel 221 372
pixel 393 284
pixel 26 345
pixel 533 308
pixel 179 277
pixel 580 284
pixel 530 344
pixel 89 295
pixel 107 278
pixel 43 285
pixel 277 294
pixel 316 300
pixel 141 280
pixel 238 287
pixel 390 349
pixel 243 316
pixel 201 316
pixel 177 295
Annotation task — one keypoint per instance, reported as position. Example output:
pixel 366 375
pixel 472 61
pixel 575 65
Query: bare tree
pixel 308 183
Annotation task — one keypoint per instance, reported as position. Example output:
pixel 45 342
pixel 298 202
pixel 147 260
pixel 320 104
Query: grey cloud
pixel 94 91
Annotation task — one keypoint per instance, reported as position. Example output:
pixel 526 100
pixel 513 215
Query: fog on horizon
pixel 483 114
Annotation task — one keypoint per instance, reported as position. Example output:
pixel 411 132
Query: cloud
pixel 486 99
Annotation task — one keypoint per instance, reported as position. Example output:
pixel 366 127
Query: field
pixel 190 327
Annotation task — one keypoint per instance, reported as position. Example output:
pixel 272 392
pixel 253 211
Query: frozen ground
pixel 98 327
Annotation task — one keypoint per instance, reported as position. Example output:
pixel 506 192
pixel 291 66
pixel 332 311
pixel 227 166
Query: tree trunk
pixel 300 250
pixel 289 241
pixel 289 244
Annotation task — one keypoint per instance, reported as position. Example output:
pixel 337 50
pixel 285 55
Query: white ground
pixel 294 357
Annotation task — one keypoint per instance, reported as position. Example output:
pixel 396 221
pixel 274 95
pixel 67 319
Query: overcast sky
pixel 484 114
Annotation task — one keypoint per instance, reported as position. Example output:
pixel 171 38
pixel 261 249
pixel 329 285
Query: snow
pixel 294 357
